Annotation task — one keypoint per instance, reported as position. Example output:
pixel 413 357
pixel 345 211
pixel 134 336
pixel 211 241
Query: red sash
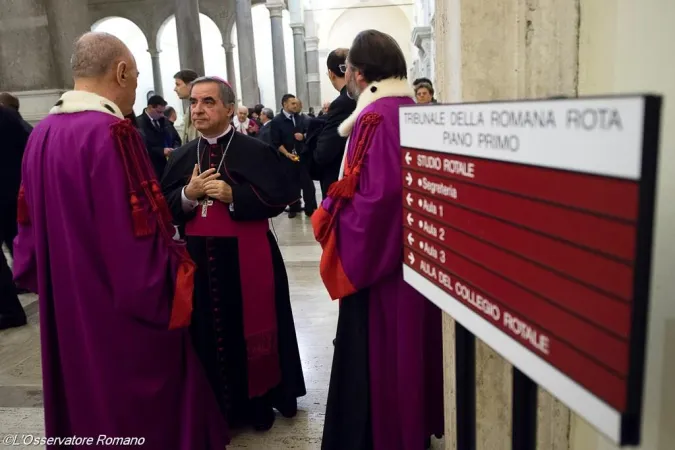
pixel 257 287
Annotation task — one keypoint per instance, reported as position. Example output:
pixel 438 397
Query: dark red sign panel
pixel 546 239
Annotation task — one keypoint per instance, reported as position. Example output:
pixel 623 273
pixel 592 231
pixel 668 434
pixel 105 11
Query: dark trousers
pixel 306 185
pixel 9 300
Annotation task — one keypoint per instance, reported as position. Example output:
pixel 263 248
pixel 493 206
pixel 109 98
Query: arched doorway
pixel 262 36
pixel 135 39
pixel 169 60
pixel 388 18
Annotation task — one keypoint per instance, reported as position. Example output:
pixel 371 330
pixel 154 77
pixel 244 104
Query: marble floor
pixel 315 320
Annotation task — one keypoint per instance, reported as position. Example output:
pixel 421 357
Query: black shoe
pixel 288 408
pixel 7 322
pixel 262 418
pixel 292 214
pixel 309 213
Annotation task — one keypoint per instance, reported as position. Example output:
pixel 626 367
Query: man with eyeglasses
pixel 330 146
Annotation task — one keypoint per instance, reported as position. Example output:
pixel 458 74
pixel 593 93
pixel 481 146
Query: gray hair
pixel 225 91
pixel 268 113
pixel 95 53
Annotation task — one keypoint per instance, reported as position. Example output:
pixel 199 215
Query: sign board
pixel 530 223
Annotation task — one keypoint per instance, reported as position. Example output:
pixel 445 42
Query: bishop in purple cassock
pixel 115 290
pixel 386 387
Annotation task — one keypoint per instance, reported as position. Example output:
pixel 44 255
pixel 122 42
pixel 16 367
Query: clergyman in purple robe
pixel 115 290
pixel 386 387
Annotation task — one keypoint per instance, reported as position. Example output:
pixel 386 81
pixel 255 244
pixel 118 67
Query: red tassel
pixel 139 217
pixel 345 188
pixel 22 216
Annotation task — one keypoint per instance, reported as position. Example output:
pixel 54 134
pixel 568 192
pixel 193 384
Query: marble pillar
pixel 189 35
pixel 248 70
pixel 229 66
pixel 503 49
pixel 26 55
pixel 276 8
pixel 301 89
pixel 156 71
pixel 68 20
pixel 313 77
pixel 295 9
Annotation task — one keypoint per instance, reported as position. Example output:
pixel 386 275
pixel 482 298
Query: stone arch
pixel 391 19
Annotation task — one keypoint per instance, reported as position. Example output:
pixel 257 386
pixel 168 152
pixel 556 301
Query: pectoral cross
pixel 205 206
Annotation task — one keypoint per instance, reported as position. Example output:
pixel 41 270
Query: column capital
pixel 421 34
pixel 275 7
pixel 154 53
pixel 228 46
pixel 298 28
pixel 312 43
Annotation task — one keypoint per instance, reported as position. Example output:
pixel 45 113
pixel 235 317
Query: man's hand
pixel 219 190
pixel 299 136
pixel 167 151
pixel 195 188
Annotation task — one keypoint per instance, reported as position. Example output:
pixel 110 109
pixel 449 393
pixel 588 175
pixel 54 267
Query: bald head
pixel 96 53
pixel 103 65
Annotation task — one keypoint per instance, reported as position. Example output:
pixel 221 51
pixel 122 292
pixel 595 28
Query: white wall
pixel 626 47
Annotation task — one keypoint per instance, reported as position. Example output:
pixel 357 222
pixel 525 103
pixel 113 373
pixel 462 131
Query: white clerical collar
pixel 214 140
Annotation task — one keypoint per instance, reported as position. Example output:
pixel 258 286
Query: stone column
pixel 312 55
pixel 503 49
pixel 301 89
pixel 24 65
pixel 295 8
pixel 68 20
pixel 276 8
pixel 189 35
pixel 248 70
pixel 229 64
pixel 156 71
pixel 313 77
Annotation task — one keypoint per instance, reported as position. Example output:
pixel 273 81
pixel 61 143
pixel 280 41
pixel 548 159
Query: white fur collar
pixel 391 87
pixel 79 101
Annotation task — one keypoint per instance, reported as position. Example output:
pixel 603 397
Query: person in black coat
pixel 288 131
pixel 266 115
pixel 330 146
pixel 14 139
pixel 156 132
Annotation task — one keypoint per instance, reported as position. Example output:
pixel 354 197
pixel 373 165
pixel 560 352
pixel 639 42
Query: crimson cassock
pixel 242 324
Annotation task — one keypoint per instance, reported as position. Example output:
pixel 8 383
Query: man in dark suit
pixel 14 138
pixel 330 146
pixel 159 140
pixel 265 117
pixel 288 134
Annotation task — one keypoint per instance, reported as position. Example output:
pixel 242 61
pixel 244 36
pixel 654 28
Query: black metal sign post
pixel 465 382
pixel 524 412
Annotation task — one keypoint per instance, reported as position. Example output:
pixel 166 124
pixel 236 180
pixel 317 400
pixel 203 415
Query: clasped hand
pixel 207 184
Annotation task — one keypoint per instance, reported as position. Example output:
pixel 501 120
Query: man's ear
pixel 121 73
